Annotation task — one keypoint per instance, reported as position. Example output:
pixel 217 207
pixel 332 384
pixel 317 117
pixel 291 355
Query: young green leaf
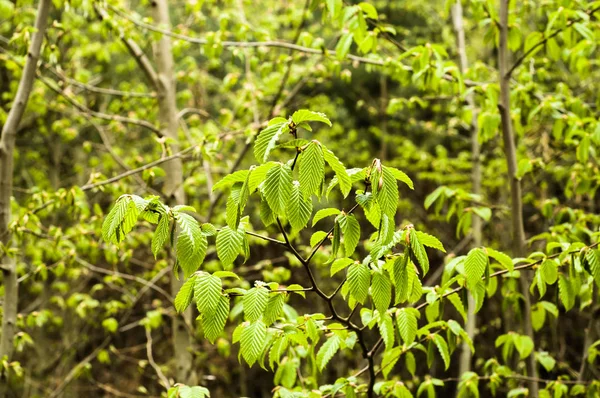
pixel 340 171
pixel 401 176
pixel 442 347
pixel 430 241
pixel 311 168
pixel 161 235
pixel 121 219
pixel 278 349
pixel 323 213
pixel 359 277
pixel 277 188
pixel 418 251
pixel 252 341
pixel 340 264
pixel 255 302
pixel 184 295
pixel 213 323
pixel 386 329
pixel 299 208
pixel 230 179
pixel 475 265
pixel 229 245
pixel 191 243
pixel 267 140
pixel 381 291
pixel 351 230
pixel 274 308
pixel 304 115
pixel 328 350
pixel 207 292
pixel 406 318
pixel 390 357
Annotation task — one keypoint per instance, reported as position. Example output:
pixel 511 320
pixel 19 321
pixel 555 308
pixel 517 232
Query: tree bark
pixel 7 146
pixel 173 187
pixel 457 20
pixel 518 235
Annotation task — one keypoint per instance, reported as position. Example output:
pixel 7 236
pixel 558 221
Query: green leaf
pixel 323 213
pixel 317 238
pixel 401 176
pixel 278 349
pixel 351 230
pixel 524 345
pixel 267 140
pixel 266 214
pixel 229 245
pixel 340 264
pixel 213 323
pixel 258 175
pixel 328 350
pixel 381 291
pixel 359 277
pixel 474 266
pixel 442 347
pixel 184 295
pixel 343 45
pixel 390 357
pixel 566 292
pixel 161 235
pixel 207 292
pixel 232 212
pixel 339 169
pixel 253 341
pixel 401 275
pixel 385 190
pixel 386 329
pixel 546 361
pixel 230 179
pixel 549 270
pixel 502 258
pixel 430 241
pixel 593 263
pixel 311 169
pixel 121 219
pixel 418 251
pixel 255 303
pixel 406 318
pixel 274 308
pixel 454 298
pixel 191 243
pixel 299 208
pixel 304 115
pixel 277 188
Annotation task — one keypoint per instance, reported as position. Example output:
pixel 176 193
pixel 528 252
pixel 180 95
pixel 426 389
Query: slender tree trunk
pixel 173 187
pixel 383 115
pixel 7 146
pixel 457 19
pixel 518 236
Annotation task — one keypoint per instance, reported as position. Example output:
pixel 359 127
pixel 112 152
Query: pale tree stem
pixel 7 146
pixel 173 187
pixel 510 151
pixel 471 324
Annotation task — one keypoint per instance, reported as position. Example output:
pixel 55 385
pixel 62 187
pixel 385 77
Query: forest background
pixel 440 238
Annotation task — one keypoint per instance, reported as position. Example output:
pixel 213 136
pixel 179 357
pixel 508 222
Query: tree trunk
pixel 7 146
pixel 518 235
pixel 173 187
pixel 457 20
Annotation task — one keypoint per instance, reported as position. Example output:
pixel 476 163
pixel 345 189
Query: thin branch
pixel 94 89
pixel 523 57
pixel 118 274
pixel 245 44
pixel 159 372
pixel 147 166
